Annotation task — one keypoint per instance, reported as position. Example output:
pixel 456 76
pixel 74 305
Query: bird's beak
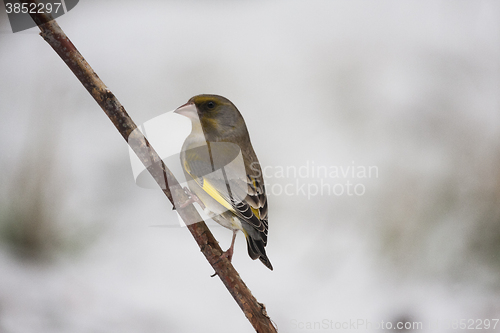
pixel 188 110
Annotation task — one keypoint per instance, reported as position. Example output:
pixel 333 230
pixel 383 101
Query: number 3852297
pixel 32 8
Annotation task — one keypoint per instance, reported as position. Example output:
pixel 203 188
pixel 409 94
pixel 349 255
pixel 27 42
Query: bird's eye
pixel 210 105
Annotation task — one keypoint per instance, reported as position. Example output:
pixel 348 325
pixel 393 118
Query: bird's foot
pixel 192 199
pixel 228 255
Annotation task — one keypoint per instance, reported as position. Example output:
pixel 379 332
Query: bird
pixel 223 172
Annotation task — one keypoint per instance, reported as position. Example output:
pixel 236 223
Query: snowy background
pixel 409 87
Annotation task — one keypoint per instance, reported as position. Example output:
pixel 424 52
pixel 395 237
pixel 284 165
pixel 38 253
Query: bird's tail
pixel 256 249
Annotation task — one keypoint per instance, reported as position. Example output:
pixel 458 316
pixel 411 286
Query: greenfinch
pixel 223 173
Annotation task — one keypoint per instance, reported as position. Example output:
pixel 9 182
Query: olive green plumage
pixel 223 171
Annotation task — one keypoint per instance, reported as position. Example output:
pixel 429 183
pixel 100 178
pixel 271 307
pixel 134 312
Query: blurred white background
pixel 410 87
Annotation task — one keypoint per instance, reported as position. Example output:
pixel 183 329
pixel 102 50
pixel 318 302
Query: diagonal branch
pixel 53 34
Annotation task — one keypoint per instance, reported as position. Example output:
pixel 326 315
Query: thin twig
pixel 57 39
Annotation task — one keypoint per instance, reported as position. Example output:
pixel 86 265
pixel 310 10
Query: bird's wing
pixel 219 169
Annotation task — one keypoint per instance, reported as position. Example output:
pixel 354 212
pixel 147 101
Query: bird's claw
pixel 228 255
pixel 192 199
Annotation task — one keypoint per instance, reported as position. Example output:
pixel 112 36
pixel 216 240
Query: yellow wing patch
pixel 207 187
pixel 212 191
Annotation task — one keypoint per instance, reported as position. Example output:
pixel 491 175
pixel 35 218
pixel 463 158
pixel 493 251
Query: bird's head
pixel 219 118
